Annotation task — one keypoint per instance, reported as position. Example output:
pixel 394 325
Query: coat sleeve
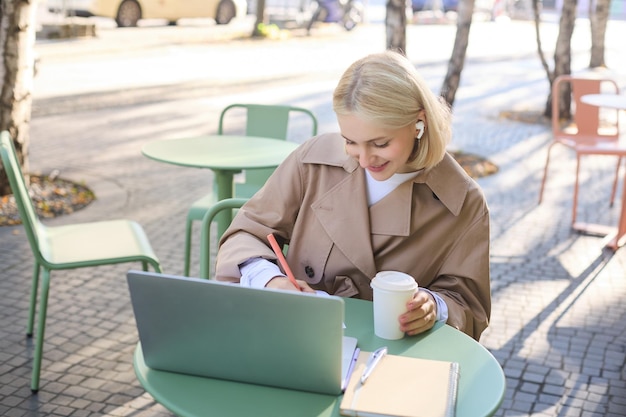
pixel 464 280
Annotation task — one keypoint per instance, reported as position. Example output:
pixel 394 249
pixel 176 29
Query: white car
pixel 128 12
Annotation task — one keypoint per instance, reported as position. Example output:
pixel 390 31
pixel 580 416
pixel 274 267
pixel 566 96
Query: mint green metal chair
pixel 68 247
pixel 205 232
pixel 268 121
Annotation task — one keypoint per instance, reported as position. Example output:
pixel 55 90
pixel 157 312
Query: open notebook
pixel 402 386
pixel 261 336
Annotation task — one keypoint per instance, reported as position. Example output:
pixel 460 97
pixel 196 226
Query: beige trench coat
pixel 434 227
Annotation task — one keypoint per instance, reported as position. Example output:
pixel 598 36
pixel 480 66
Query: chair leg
pixel 33 300
pixel 144 265
pixel 188 228
pixel 614 190
pixel 43 307
pixel 545 174
pixel 575 203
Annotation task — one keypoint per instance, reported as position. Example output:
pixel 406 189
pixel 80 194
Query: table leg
pixel 224 184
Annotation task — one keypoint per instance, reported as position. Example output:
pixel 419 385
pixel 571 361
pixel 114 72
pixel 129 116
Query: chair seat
pixel 602 148
pixel 199 207
pixel 587 141
pixel 66 247
pixel 97 243
pixel 246 190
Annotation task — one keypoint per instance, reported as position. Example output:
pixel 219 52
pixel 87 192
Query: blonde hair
pixel 385 89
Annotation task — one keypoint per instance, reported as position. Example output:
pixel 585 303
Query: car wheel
pixel 128 14
pixel 225 12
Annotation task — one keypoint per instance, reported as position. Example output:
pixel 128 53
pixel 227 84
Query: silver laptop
pixel 260 336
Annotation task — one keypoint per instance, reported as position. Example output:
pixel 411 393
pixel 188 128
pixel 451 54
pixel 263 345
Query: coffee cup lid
pixel 393 281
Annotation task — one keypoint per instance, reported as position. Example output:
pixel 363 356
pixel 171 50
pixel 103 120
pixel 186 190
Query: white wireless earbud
pixel 420 126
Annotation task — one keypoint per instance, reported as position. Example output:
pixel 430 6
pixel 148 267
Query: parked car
pixel 128 12
pixel 447 5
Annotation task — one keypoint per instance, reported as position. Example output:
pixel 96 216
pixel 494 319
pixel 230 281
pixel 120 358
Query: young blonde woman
pixel 382 194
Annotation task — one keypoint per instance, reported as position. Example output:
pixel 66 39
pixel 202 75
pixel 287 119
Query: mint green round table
pixel 225 155
pixel 480 392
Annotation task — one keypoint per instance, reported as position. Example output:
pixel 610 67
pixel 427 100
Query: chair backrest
pixel 269 121
pixel 205 232
pixel 30 221
pixel 589 123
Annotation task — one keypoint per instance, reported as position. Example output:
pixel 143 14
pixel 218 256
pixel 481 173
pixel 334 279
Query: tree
pixel 562 53
pixel 17 40
pixel 563 48
pixel 457 59
pixel 542 57
pixel 598 19
pixel 260 18
pixel 395 25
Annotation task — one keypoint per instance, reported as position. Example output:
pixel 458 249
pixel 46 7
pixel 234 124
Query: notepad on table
pixel 402 386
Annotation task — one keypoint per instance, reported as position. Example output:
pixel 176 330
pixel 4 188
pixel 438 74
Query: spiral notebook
pixel 402 386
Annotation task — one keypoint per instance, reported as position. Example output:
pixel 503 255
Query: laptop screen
pixel 222 330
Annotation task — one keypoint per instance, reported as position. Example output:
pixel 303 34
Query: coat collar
pixel 447 180
pixel 444 181
pixel 362 221
pixel 329 149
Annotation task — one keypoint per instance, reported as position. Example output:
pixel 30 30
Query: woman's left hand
pixel 421 314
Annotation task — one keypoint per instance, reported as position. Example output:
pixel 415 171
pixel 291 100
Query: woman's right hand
pixel 283 283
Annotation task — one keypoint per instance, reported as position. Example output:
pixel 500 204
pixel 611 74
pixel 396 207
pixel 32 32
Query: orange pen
pixel 282 260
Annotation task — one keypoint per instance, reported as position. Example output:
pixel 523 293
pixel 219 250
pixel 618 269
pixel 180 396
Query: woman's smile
pixel 377 168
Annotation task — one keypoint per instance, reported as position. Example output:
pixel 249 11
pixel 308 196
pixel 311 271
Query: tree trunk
pixel 17 49
pixel 542 57
pixel 457 60
pixel 395 24
pixel 260 18
pixel 544 62
pixel 563 54
pixel 598 19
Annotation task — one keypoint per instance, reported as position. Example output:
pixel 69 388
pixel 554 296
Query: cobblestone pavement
pixel 559 300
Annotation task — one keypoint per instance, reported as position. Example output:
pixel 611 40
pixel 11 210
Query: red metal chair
pixel 587 133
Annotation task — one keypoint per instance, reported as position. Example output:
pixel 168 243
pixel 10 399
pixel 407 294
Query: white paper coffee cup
pixel 392 291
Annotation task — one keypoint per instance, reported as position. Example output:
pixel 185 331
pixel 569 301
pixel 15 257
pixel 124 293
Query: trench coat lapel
pixel 348 225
